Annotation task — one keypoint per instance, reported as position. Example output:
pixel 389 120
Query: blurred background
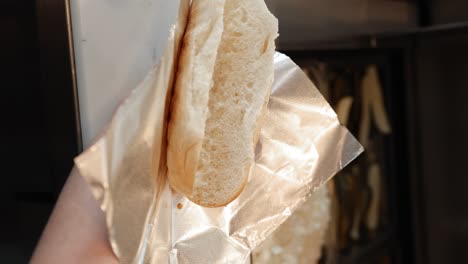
pixel 396 72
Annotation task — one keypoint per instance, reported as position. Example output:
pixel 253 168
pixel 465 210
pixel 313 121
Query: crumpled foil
pixel 301 146
pixel 300 239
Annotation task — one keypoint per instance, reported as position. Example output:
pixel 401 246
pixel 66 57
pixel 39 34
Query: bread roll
pixel 222 87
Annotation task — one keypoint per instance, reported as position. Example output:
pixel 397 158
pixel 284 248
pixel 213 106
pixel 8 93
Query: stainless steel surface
pixel 79 135
pixel 116 43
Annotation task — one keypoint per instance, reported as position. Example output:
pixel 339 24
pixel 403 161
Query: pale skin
pixel 76 231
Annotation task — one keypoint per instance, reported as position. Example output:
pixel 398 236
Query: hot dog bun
pixel 222 87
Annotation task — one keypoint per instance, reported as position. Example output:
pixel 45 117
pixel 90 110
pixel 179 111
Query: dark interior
pixel 39 128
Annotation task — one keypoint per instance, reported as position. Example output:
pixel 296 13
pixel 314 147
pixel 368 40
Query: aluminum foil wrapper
pixel 301 146
pixel 300 239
